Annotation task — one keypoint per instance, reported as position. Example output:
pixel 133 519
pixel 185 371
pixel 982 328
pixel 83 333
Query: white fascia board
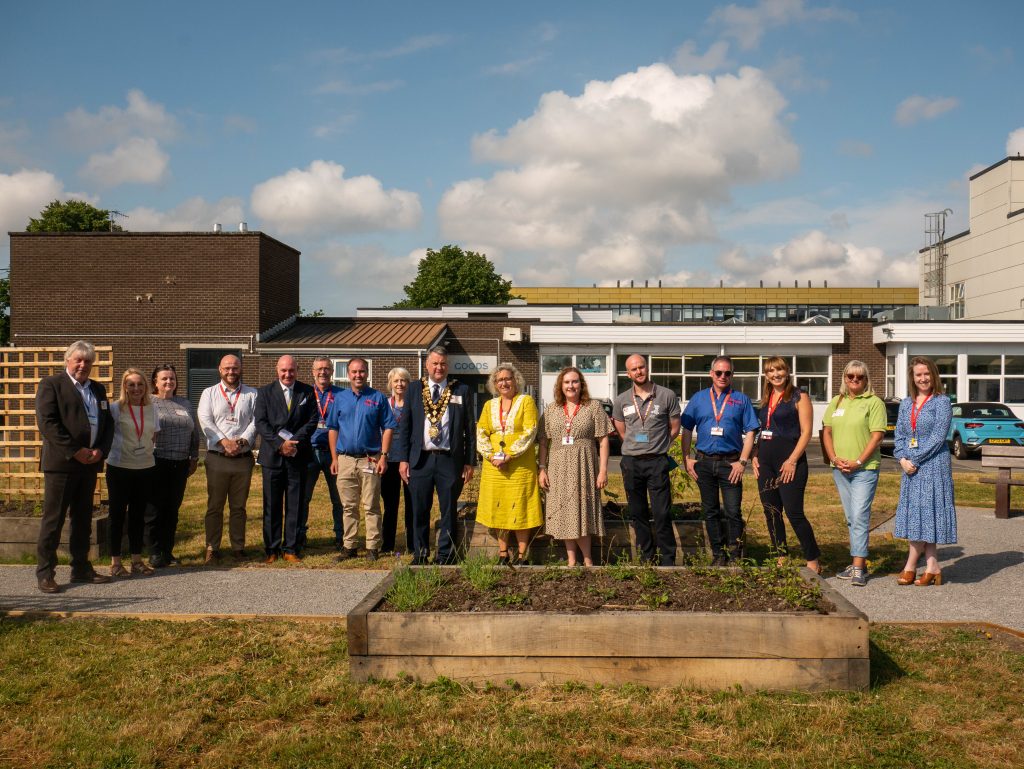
pixel 544 313
pixel 948 332
pixel 384 313
pixel 649 334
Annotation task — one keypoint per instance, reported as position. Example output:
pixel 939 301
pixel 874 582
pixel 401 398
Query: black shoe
pixel 172 561
pixel 450 560
pixel 48 585
pixel 157 561
pixel 420 559
pixel 503 560
pixel 90 578
pixel 720 559
pixel 347 552
pixel 372 555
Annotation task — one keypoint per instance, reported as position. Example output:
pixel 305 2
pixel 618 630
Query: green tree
pixel 72 216
pixel 454 276
pixel 5 306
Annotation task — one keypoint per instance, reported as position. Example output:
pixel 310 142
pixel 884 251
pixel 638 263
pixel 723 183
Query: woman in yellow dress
pixel 509 500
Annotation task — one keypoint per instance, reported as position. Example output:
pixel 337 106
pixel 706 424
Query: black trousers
pixel 321 465
pixel 64 492
pixel 283 489
pixel 170 477
pixel 643 478
pixel 390 490
pixel 723 517
pixel 129 492
pixel 438 472
pixel 788 497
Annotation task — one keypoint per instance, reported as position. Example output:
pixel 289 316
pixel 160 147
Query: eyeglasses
pixel 722 373
pixel 854 377
pixel 504 379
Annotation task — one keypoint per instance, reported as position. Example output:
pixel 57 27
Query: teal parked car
pixel 977 424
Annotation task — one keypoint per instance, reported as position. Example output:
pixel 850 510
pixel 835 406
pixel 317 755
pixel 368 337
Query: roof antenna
pixel 111 214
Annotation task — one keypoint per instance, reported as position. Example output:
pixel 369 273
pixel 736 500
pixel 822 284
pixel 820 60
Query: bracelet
pixel 542 467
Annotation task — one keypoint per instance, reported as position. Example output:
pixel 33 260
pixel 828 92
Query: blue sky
pixel 573 143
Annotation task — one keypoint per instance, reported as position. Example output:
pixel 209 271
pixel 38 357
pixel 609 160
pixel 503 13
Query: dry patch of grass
pixel 94 693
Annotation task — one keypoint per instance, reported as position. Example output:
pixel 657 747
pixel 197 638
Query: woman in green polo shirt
pixel 854 424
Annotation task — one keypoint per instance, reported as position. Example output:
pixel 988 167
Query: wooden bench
pixel 1005 459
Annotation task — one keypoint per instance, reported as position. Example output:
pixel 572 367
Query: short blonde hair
pixel 860 366
pixel 397 373
pixel 492 388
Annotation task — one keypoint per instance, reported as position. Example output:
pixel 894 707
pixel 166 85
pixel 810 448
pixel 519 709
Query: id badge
pixel 837 413
pixel 321 425
pixel 230 419
pixel 766 435
pixel 93 419
pixel 567 440
pixel 717 432
pixel 913 443
pixel 139 450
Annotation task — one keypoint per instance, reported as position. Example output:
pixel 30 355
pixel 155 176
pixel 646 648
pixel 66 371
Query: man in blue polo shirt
pixel 725 422
pixel 320 464
pixel 359 430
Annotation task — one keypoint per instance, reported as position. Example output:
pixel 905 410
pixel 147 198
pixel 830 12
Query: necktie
pixel 288 398
pixel 437 393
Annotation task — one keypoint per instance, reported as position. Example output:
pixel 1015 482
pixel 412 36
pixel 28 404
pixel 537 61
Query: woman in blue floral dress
pixel 926 515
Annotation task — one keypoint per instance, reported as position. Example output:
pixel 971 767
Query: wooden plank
pixel 705 673
pixel 997 479
pixel 989 450
pixel 1002 461
pixel 356 619
pixel 618 634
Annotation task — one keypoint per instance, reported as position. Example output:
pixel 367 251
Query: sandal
pixel 503 559
pixel 119 571
pixel 142 568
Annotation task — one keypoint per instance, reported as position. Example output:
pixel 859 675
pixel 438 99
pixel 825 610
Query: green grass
pixel 414 589
pixel 127 693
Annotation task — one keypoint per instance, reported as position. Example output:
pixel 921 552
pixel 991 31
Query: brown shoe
pixel 141 568
pixel 291 558
pixel 90 578
pixel 48 585
pixel 272 558
pixel 212 556
pixel 119 571
pixel 929 578
pixel 906 578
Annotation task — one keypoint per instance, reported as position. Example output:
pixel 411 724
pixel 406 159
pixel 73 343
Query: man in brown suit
pixel 74 420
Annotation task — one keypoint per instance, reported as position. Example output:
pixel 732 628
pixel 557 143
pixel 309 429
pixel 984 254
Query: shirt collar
pixel 76 383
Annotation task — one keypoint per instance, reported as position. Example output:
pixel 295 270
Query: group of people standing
pixel 420 439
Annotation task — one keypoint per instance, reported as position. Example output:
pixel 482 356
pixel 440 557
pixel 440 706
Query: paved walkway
pixel 985 574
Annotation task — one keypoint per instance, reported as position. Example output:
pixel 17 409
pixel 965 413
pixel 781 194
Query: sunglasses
pixel 854 377
pixel 722 373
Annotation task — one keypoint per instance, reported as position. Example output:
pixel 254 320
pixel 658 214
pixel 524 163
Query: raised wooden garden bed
pixel 804 650
pixel 19 536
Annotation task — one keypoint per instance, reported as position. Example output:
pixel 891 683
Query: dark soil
pixel 578 590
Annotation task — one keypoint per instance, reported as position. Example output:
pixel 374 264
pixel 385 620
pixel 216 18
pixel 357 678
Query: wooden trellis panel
pixel 21 368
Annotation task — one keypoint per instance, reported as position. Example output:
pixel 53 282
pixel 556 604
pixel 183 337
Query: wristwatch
pixel 744 462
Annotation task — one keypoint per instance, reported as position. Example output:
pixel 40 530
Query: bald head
pixel 286 370
pixel 230 370
pixel 636 368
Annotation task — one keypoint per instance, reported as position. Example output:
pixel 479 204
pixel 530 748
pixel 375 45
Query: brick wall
pixel 857 345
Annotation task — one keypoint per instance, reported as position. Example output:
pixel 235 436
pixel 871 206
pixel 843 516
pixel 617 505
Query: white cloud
pixel 411 46
pixel 342 275
pixel 320 199
pixel 637 160
pixel 24 194
pixel 134 161
pixel 855 148
pixel 343 87
pixel 746 24
pixel 916 108
pixel 790 72
pixel 140 118
pixel 193 215
pixel 815 257
pixel 515 67
pixel 686 59
pixel 334 127
pixel 1015 142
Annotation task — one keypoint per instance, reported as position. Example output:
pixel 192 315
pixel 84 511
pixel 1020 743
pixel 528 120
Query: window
pixel 668 372
pixel 552 364
pixel 747 376
pixel 947 374
pixel 592 364
pixel 983 377
pixel 203 370
pixel 340 377
pixel 695 374
pixel 810 373
pixel 956 301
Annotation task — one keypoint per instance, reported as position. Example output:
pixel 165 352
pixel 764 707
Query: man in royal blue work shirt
pixel 725 423
pixel 321 462
pixel 359 430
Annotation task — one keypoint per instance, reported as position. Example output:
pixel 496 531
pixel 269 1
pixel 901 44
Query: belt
pixel 730 457
pixel 438 451
pixel 236 456
pixel 644 456
pixel 360 455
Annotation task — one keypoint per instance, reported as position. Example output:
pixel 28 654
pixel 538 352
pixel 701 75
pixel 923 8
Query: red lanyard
pixel 714 406
pixel 140 423
pixel 642 417
pixel 395 413
pixel 330 400
pixel 238 394
pixel 568 419
pixel 914 411
pixel 771 409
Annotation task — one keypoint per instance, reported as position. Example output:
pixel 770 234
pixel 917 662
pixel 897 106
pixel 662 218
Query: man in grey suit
pixel 74 420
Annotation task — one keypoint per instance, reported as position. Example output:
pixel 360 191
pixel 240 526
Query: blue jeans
pixel 857 492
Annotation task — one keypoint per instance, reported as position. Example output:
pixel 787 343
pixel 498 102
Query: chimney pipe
pixel 216 227
pixel 243 227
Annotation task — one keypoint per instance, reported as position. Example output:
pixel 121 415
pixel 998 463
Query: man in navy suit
pixel 286 417
pixel 436 452
pixel 73 417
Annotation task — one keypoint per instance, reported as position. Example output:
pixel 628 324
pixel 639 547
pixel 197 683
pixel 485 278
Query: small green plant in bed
pixel 413 589
pixel 481 572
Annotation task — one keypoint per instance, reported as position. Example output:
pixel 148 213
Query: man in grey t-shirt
pixel 646 417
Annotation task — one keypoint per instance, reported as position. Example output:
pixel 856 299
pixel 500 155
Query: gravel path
pixel 985 573
pixel 196 591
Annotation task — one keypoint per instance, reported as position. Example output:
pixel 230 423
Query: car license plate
pixel 891 428
pixel 999 440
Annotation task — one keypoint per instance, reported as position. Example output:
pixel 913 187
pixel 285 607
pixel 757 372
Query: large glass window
pixel 696 376
pixel 747 376
pixel 552 364
pixel 592 364
pixel 983 377
pixel 947 375
pixel 811 375
pixel 668 372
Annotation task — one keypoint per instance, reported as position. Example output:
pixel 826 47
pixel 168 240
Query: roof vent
pixel 243 227
pixel 216 227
